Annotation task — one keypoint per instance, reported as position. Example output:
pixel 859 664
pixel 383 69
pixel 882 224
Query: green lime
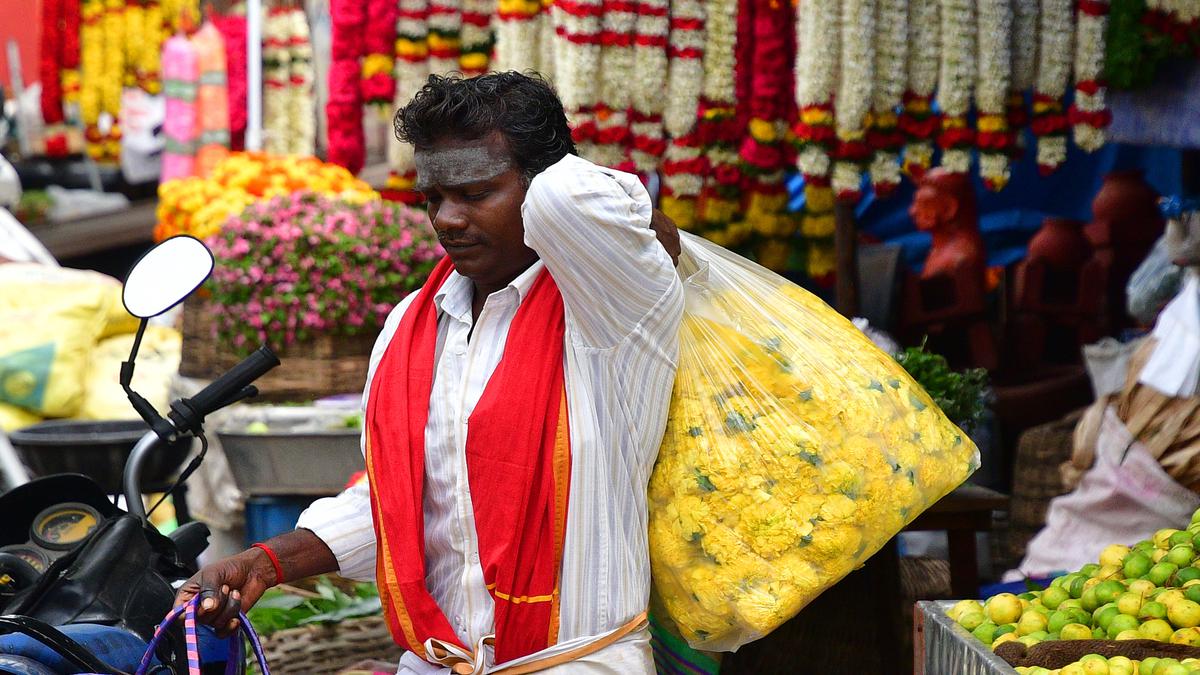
pixel 1192 592
pixel 1104 616
pixel 1161 572
pixel 1186 574
pixel 1121 623
pixel 1136 565
pixel 1153 610
pixel 985 632
pixel 1181 537
pixel 1006 628
pixel 1089 600
pixel 1059 619
pixel 1055 595
pixel 1076 587
pixel 1089 569
pixel 1098 633
pixel 1182 554
pixel 1196 540
pixel 1030 596
pixel 1109 591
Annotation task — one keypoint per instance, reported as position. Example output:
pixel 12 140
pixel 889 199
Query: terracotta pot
pixel 1125 211
pixel 1060 244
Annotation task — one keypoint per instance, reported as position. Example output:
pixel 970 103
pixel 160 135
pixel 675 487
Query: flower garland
pixel 233 31
pixel 445 36
pixel 477 38
pixel 114 68
pixel 212 99
pixel 890 79
pixel 137 44
pixel 69 22
pixel 817 23
pixel 650 67
pixel 577 31
pixel 49 64
pixel 1049 124
pixel 343 111
pixel 763 150
pixel 277 58
pixel 992 92
pixel 379 45
pixel 685 72
pixel 1088 114
pixel 301 109
pixel 149 67
pixel 91 64
pixel 719 127
pixel 854 97
pixel 412 68
pixel 518 31
pixel 956 79
pixel 918 121
pixel 618 21
pixel 548 45
pixel 683 169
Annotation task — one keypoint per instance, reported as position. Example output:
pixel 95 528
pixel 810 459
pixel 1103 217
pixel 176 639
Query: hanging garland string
pixel 91 65
pixel 617 74
pixel 992 87
pixel 684 165
pixel 50 63
pixel 719 126
pixel 956 82
pixel 343 111
pixel 69 22
pixel 412 67
pixel 379 42
pixel 1056 35
pixel 1089 115
pixel 477 38
pixel 891 53
pixel 817 23
pixel 277 64
pixel 114 71
pixel 445 36
pixel 577 29
pixel 518 31
pixel 233 32
pixel 301 109
pixel 853 98
pixel 1024 70
pixel 650 80
pixel 918 121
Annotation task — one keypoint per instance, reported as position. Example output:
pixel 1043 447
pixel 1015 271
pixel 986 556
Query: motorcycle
pixel 83 583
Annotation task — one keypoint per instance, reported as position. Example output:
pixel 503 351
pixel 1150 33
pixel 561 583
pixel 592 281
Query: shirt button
pixel 475 557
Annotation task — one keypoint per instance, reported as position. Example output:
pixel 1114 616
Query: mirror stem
pixel 164 429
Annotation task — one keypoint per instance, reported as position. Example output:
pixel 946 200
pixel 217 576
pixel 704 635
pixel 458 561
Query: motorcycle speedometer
pixel 62 526
pixel 36 559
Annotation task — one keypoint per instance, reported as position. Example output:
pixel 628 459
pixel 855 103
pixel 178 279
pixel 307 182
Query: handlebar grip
pixel 225 387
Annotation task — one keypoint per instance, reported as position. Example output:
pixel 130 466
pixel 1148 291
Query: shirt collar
pixel 454 297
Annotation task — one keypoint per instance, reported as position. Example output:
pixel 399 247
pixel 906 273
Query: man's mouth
pixel 458 245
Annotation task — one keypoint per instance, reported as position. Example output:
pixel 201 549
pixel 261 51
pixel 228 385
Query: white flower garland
pixel 546 42
pixel 277 30
pixel 992 89
pixel 1024 44
pixel 445 29
pixel 617 76
pixel 577 62
pixel 818 39
pixel 412 69
pixel 720 57
pixel 891 53
pixel 956 77
pixel 854 91
pixel 518 26
pixel 478 17
pixel 1056 37
pixel 650 80
pixel 302 106
pixel 685 74
pixel 1089 69
pixel 924 58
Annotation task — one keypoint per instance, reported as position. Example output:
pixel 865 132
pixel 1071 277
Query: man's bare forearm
pixel 301 554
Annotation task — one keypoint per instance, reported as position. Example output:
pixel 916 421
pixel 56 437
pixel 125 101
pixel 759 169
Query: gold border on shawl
pixel 394 596
pixel 562 483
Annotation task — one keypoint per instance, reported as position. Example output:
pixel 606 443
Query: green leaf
pixel 704 482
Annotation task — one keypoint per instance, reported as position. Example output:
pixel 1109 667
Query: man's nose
pixel 450 216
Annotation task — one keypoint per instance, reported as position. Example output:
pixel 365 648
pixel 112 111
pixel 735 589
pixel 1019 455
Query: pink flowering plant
pixel 305 264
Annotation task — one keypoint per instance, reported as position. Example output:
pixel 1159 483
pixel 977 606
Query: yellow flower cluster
pixel 198 206
pixel 794 450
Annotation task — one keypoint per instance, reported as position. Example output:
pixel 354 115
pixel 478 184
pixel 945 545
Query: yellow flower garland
pixel 91 66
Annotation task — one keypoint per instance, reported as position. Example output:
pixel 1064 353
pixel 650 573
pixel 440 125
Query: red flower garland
pixel 347 144
pixel 50 63
pixel 378 85
pixel 233 31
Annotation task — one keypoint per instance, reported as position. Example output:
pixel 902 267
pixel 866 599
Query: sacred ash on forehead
pixel 459 166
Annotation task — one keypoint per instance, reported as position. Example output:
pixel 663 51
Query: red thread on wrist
pixel 274 562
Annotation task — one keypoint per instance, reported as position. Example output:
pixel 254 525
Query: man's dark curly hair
pixel 522 107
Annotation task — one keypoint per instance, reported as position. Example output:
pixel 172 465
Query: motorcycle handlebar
pixel 227 386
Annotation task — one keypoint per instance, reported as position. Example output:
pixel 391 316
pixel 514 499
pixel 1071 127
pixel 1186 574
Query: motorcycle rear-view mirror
pixel 165 275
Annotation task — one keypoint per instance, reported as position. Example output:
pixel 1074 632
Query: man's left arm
pixel 598 234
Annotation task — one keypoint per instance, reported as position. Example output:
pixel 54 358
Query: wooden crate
pixel 325 365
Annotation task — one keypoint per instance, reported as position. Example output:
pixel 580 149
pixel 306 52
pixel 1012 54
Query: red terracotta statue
pixel 1058 298
pixel 1125 224
pixel 948 300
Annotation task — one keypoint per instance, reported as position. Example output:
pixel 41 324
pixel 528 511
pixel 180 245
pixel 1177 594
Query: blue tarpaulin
pixel 1009 218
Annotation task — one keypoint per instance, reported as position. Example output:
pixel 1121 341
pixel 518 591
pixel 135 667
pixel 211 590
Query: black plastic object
pixel 188 414
pixel 55 639
pixel 117 578
pixel 21 504
pixel 19 665
pixel 22 574
pixel 190 540
pixel 96 449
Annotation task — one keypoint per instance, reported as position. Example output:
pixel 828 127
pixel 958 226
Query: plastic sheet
pixel 795 448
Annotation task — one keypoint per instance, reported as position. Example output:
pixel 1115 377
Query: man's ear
pixel 950 208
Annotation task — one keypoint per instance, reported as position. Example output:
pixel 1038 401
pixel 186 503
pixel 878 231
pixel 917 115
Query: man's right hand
pixel 227 587
pixel 237 582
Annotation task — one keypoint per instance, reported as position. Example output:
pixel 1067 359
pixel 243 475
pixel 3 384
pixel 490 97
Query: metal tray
pixel 314 463
pixel 950 649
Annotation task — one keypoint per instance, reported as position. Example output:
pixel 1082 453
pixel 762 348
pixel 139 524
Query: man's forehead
pixel 460 163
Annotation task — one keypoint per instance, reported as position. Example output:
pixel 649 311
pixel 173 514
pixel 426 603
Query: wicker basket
pixel 326 365
pixel 1036 480
pixel 326 649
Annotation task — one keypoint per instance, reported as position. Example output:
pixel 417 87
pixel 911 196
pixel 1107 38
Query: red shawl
pixel 518 466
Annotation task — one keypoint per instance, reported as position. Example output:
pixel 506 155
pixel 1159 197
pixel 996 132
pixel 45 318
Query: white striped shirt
pixel 623 302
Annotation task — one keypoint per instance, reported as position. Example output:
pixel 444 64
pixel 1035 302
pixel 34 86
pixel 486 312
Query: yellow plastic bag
pixel 26 285
pixel 157 364
pixel 13 418
pixel 46 338
pixel 794 450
